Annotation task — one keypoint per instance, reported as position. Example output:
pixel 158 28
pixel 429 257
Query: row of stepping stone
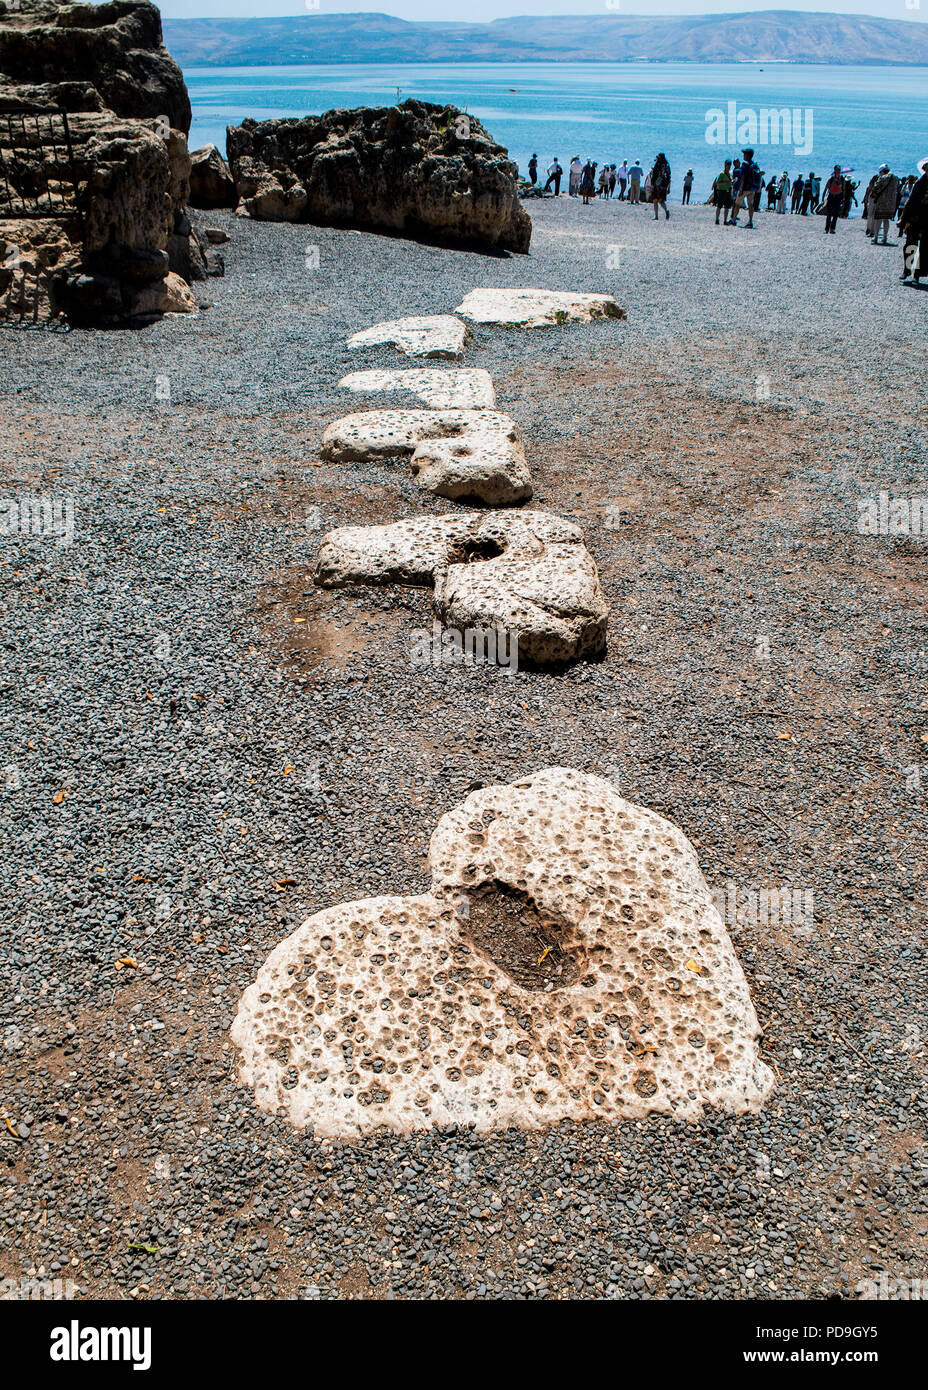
pixel 524 572
pixel 398 1011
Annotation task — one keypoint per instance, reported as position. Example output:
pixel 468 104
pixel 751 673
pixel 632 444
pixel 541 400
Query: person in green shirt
pixel 721 189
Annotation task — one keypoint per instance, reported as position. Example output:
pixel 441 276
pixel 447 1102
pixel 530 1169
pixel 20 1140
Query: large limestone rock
pixel 211 184
pixel 35 255
pixel 536 308
pixel 415 169
pixel 422 335
pixel 527 574
pixel 567 962
pixel 466 455
pixel 128 115
pixel 132 184
pixel 168 296
pixel 114 49
pixel 470 388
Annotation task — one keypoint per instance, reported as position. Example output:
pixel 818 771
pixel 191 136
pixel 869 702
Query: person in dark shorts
pixel 721 193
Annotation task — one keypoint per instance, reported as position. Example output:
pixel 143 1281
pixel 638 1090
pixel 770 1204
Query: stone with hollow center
pixel 525 573
pixel 393 1012
pixel 469 388
pixel 461 454
pixel 435 335
pixel 536 308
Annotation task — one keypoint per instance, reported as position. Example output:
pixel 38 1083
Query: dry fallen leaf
pixel 696 969
pixel 60 796
pixel 287 769
pixel 127 960
pixel 544 953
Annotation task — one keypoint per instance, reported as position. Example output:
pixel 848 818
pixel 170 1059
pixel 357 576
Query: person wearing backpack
pixel 748 188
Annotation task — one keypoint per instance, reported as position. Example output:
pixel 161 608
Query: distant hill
pixel 761 36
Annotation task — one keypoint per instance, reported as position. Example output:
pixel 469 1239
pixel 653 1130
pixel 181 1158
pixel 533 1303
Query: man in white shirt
pixel 554 176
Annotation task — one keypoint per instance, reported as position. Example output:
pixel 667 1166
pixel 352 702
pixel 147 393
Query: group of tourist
pixel 627 182
pixel 741 185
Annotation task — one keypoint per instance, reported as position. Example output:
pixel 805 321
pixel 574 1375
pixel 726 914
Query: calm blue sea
pixel 607 112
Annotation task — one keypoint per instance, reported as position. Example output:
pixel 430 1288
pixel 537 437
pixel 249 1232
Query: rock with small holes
pixel 473 455
pixel 567 963
pixel 525 573
pixel 429 335
pixel 470 388
pixel 536 308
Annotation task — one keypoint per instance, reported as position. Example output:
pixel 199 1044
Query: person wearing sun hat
pixel 913 224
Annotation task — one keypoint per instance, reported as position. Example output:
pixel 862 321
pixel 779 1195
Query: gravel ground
pixel 197 751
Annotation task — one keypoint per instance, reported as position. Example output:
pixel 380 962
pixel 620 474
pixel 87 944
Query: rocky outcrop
pixel 635 1004
pixel 527 574
pixel 211 183
pixel 67 52
pixel 118 223
pixel 416 169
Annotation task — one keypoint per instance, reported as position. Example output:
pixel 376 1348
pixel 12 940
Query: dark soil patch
pixel 537 949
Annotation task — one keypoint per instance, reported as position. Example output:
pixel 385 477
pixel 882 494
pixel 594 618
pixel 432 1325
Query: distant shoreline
pixel 201 66
pixel 759 37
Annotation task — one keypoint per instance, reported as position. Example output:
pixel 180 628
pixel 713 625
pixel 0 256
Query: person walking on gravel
pixel 810 195
pixel 834 196
pixel 622 179
pixel 799 184
pixel 635 175
pixel 575 174
pixel 660 184
pixel 721 192
pixel 533 170
pixel 554 176
pixel 687 186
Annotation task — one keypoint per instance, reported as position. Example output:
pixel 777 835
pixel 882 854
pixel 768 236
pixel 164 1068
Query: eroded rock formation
pixel 465 455
pixel 211 184
pixel 536 308
pixel 422 335
pixel 470 388
pixel 415 169
pixel 567 962
pixel 116 223
pixel 524 573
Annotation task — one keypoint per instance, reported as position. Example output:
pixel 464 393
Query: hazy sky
pixel 496 9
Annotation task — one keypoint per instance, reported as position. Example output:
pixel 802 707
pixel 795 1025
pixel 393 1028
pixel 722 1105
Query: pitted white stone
pixel 469 388
pixel 526 573
pixel 431 335
pixel 536 308
pixel 454 453
pixel 387 1013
